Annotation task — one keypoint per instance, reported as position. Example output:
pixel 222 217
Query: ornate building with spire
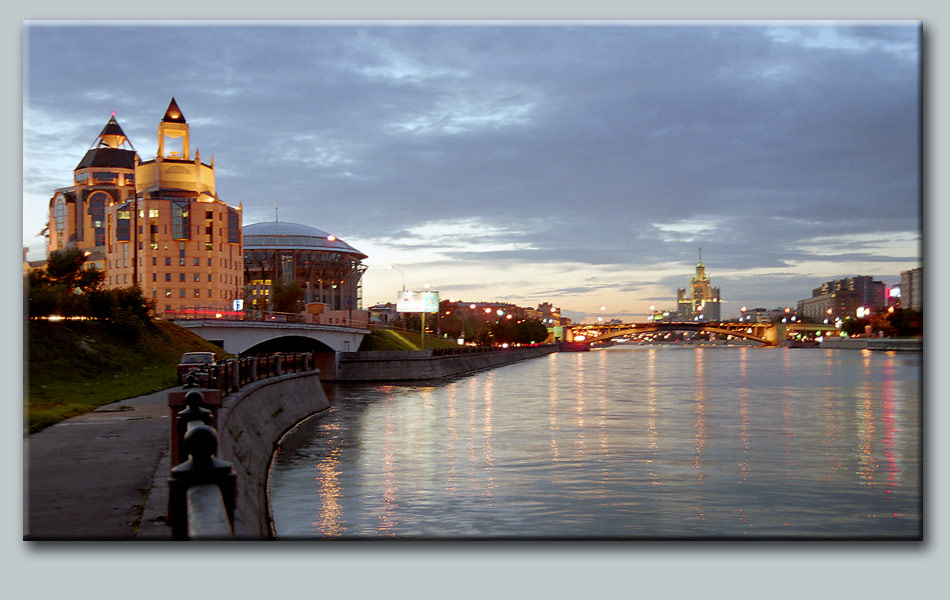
pixel 156 223
pixel 105 176
pixel 703 302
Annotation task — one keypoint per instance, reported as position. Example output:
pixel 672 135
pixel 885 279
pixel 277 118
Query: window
pixel 197 277
pixel 154 293
pixel 168 261
pixel 153 245
pixel 181 292
pixel 209 292
pixel 181 277
pixel 197 293
pixel 234 226
pixel 197 261
pixel 209 278
pixel 154 260
pixel 168 293
pixel 168 276
pixel 154 276
pixel 181 219
pixel 123 223
pixel 153 213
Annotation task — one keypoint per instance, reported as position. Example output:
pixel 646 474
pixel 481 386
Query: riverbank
pixel 425 365
pixel 881 344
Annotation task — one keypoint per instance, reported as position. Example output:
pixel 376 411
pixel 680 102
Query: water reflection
pixel 654 442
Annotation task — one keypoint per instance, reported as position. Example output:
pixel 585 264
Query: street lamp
pixel 400 273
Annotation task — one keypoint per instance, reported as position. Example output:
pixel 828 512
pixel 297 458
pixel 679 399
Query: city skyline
pixel 579 165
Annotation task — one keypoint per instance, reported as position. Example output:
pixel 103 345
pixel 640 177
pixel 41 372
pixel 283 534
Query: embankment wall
pixel 912 344
pixel 250 422
pixel 423 365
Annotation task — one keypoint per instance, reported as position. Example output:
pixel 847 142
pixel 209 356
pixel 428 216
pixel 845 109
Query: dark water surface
pixel 642 442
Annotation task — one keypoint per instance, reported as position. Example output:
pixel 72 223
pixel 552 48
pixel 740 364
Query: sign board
pixel 417 301
pixel 238 305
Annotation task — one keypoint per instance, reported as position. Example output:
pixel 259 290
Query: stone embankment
pixel 912 344
pixel 426 365
pixel 250 422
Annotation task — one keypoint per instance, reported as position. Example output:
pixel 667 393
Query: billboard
pixel 417 301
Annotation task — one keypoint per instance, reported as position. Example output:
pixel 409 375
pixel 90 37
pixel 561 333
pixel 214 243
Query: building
pixel 175 237
pixel 841 298
pixel 702 304
pixel 912 296
pixel 327 270
pixel 104 177
pixel 829 307
pixel 871 292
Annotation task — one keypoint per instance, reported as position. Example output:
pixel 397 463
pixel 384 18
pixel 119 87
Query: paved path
pixel 101 475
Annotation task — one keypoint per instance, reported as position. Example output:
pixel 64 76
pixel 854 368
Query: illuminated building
pixel 328 270
pixel 158 223
pixel 871 293
pixel 176 238
pixel 105 176
pixel 703 302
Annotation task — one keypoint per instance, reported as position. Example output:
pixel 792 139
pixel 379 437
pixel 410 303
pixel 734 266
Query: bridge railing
pixel 199 313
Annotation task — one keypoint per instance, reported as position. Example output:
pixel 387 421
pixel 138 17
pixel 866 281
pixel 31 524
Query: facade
pixel 829 307
pixel 912 296
pixel 872 293
pixel 104 177
pixel 158 224
pixel 328 270
pixel 702 304
pixel 841 298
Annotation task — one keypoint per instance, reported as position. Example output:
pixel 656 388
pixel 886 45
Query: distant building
pixel 702 304
pixel 830 306
pixel 871 292
pixel 327 269
pixel 912 296
pixel 841 298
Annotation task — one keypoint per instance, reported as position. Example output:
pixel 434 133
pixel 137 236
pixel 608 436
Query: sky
pixel 574 163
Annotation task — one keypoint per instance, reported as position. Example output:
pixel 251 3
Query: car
pixel 200 362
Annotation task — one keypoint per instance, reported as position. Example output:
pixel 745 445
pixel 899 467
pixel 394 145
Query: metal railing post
pixel 201 468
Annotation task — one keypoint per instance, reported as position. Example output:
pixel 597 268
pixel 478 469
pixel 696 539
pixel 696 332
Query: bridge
pixel 769 334
pixel 251 337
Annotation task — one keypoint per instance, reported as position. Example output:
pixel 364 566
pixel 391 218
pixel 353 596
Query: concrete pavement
pixel 100 476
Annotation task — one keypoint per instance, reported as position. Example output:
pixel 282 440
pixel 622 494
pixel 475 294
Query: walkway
pixel 101 475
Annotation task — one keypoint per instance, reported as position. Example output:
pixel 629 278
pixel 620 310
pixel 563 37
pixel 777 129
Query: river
pixel 644 442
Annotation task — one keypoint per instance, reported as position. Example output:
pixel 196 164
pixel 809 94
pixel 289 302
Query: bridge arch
pixel 288 343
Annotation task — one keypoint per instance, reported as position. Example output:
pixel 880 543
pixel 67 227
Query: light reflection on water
pixel 649 442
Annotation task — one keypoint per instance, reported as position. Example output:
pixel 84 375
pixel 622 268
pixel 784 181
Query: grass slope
pixel 73 367
pixel 388 339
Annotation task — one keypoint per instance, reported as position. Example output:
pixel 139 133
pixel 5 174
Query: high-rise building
pixel 157 223
pixel 912 296
pixel 870 292
pixel 702 304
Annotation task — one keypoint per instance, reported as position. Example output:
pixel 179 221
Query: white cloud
pixel 687 230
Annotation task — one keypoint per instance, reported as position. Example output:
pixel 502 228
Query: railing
pixel 199 313
pixel 202 487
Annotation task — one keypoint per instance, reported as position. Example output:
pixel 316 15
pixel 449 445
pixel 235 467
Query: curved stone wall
pixel 250 422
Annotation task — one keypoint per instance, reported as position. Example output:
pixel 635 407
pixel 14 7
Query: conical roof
pixel 173 113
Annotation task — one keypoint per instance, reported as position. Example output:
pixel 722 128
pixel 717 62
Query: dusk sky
pixel 578 164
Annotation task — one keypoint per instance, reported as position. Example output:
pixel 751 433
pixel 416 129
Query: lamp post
pixel 401 274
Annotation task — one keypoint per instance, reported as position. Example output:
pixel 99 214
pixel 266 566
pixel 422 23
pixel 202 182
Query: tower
pixel 174 237
pixel 104 176
pixel 703 302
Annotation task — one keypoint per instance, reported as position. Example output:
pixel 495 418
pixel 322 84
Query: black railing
pixel 202 487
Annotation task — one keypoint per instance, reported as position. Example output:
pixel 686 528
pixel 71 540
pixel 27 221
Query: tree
pixel 287 297
pixel 64 287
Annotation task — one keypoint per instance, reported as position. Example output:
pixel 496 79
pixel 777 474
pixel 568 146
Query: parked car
pixel 200 362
